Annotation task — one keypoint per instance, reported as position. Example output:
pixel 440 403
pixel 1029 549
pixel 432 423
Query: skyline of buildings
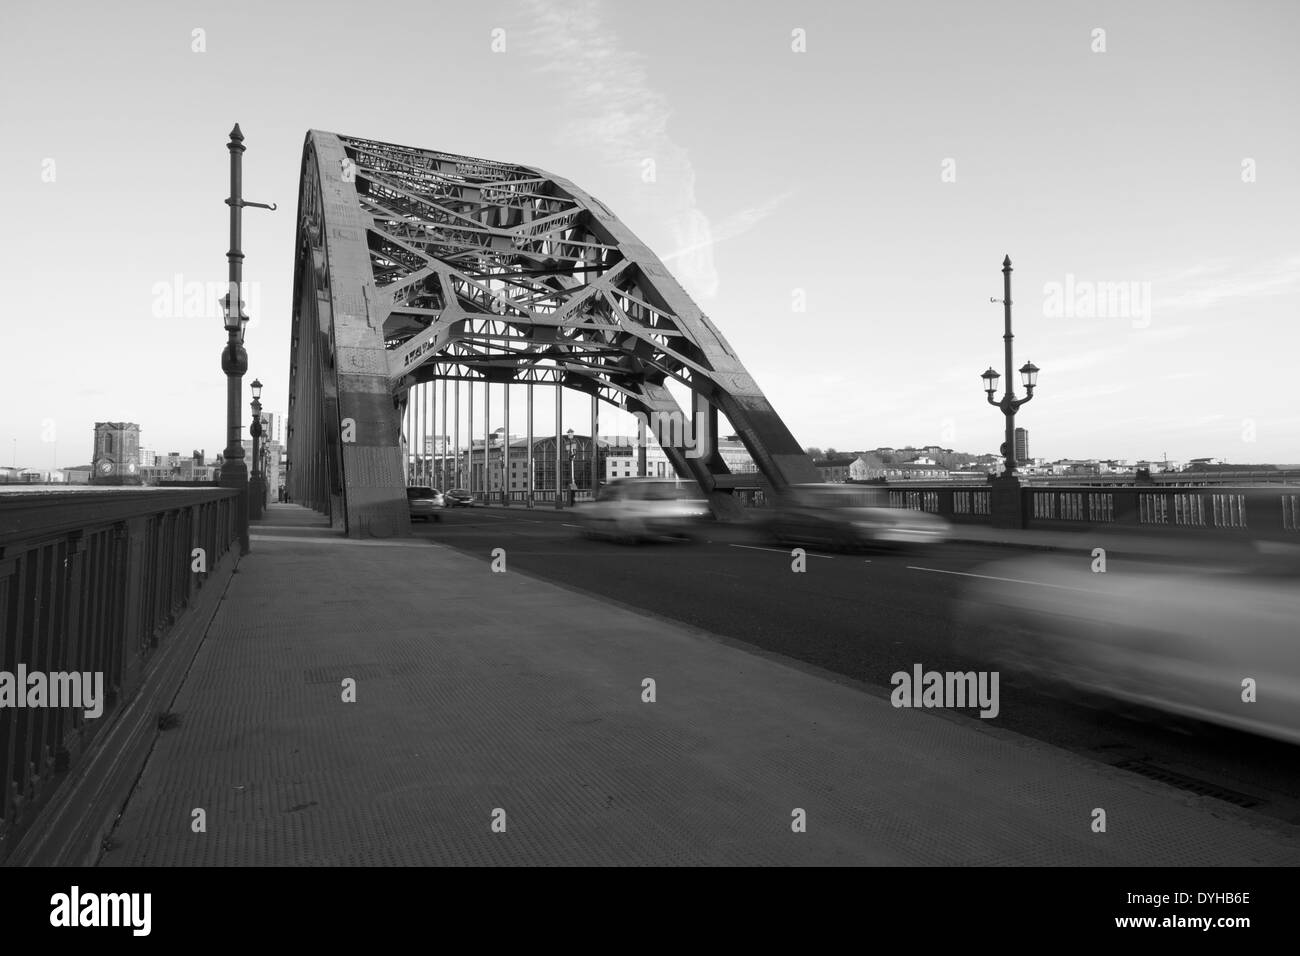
pixel 118 445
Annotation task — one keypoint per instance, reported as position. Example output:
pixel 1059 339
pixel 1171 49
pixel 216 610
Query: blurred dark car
pixel 849 517
pixel 458 498
pixel 425 502
pixel 638 509
pixel 1178 638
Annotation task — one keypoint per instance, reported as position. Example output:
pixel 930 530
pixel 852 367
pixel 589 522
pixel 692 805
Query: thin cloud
pixel 1211 284
pixel 733 226
pixel 615 111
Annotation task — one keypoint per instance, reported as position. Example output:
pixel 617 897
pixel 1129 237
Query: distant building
pixel 116 454
pixel 272 426
pixel 1211 467
pixel 14 475
pixel 867 467
pixel 617 457
pixel 624 457
pixel 834 470
pixel 1022 444
pixel 870 467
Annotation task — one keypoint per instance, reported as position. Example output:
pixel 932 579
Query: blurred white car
pixel 1195 641
pixel 845 517
pixel 425 502
pixel 636 509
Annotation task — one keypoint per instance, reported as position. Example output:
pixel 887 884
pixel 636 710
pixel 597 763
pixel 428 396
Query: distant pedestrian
pixel 282 494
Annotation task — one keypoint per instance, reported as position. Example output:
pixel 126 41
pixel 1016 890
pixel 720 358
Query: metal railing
pixel 548 496
pixel 1267 511
pixel 90 584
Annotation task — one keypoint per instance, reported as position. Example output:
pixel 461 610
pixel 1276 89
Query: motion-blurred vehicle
pixel 849 517
pixel 1182 639
pixel 458 498
pixel 638 509
pixel 425 502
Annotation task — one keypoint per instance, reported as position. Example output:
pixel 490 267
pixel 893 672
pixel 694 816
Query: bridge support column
pixel 505 452
pixel 529 468
pixel 640 447
pixel 595 448
pixel 559 458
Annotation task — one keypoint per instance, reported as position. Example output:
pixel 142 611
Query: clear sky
pixel 841 213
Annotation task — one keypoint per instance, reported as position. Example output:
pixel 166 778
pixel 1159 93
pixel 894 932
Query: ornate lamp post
pixel 257 485
pixel 1006 506
pixel 234 360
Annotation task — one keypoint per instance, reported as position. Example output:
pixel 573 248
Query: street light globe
pixel 990 380
pixel 257 390
pixel 1029 374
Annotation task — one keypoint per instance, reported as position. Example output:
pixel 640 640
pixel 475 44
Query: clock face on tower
pixel 131 468
pixel 105 467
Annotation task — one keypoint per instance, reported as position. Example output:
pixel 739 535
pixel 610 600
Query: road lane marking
pixel 990 577
pixel 750 547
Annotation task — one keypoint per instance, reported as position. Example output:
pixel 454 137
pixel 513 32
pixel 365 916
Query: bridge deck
pixel 479 691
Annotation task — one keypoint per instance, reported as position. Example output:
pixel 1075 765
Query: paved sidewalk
pixel 480 692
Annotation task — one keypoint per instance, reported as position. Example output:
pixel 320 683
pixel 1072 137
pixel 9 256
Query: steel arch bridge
pixel 414 265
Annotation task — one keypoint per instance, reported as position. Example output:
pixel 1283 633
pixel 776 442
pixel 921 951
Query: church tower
pixel 117 454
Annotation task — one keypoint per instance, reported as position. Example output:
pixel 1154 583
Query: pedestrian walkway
pixel 500 719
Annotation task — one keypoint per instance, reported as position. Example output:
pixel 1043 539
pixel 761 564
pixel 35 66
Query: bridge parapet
pixel 1237 511
pixel 97 589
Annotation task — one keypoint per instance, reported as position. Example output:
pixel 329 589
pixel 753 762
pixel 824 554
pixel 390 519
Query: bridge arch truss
pixel 414 265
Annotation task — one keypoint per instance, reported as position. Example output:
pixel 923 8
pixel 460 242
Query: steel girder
pixel 427 265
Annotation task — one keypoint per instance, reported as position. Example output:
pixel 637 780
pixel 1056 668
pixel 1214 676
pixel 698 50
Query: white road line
pixel 571 526
pixel 989 577
pixel 750 547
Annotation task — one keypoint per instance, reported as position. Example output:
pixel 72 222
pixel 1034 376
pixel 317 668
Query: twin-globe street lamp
pixel 1009 403
pixel 1006 505
pixel 234 360
pixel 257 485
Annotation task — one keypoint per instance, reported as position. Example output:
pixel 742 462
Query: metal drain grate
pixel 1183 782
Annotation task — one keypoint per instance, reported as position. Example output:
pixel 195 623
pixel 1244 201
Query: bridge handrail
pixel 91 583
pixel 1253 511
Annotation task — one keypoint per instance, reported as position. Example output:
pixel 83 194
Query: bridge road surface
pixel 479 693
pixel 867 616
